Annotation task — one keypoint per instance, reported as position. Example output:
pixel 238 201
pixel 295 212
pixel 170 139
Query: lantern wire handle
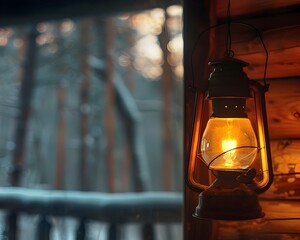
pixel 215 158
pixel 228 48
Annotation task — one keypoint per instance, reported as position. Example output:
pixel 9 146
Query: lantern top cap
pixel 229 61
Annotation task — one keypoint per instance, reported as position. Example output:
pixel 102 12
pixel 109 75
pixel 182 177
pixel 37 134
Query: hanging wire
pixel 228 52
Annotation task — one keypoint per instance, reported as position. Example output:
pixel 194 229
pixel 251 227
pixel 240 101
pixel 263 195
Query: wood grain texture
pixel 280 32
pixel 281 222
pixel 282 63
pixel 275 39
pixel 283 45
pixel 283 108
pixel 286 168
pixel 286 156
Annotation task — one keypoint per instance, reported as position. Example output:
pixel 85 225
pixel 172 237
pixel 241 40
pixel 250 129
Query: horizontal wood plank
pixel 275 39
pixel 281 36
pixel 282 63
pixel 281 222
pixel 286 156
pixel 246 41
pixel 286 168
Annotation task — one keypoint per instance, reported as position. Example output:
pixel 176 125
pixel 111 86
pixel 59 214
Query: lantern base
pixel 228 199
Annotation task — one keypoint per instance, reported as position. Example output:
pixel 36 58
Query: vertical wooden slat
pixel 61 128
pixel 81 230
pixel 110 99
pixel 27 84
pixel 44 228
pixel 26 91
pixel 11 227
pixel 166 121
pixel 84 103
pixel 113 232
pixel 60 146
pixel 148 232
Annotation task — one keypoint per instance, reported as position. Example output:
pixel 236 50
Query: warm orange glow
pixel 228 146
pixel 228 143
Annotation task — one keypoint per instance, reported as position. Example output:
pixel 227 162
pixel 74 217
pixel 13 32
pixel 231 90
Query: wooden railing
pixel 145 208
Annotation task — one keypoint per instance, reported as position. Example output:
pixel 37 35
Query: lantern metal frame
pixel 245 208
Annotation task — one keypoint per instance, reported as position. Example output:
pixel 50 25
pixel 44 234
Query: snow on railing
pixel 112 208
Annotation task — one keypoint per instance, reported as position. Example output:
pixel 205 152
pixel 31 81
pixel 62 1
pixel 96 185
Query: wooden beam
pixel 26 12
pixel 248 8
pixel 246 41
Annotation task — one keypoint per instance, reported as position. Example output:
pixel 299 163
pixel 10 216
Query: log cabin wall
pixel 279 25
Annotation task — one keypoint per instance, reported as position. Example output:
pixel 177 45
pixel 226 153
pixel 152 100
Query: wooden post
pixel 27 83
pixel 60 146
pixel 197 17
pixel 44 228
pixel 26 91
pixel 84 104
pixel 81 229
pixel 61 126
pixel 166 121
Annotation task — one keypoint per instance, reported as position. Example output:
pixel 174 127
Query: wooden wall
pixel 279 25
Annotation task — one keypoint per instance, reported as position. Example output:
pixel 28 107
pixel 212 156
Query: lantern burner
pixel 228 198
